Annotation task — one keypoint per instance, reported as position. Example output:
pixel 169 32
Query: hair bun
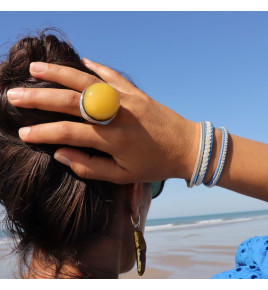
pixel 14 72
pixel 47 205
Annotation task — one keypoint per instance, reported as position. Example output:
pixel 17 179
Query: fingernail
pixel 14 94
pixel 38 67
pixel 62 159
pixel 23 132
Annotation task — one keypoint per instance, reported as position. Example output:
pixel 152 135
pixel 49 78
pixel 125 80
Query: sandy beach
pixel 185 253
pixel 196 253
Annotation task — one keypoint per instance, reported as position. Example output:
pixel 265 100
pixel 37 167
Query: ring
pixel 99 103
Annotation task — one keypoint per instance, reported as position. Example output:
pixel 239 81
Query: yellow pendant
pixel 140 246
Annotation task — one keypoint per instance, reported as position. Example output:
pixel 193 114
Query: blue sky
pixel 204 65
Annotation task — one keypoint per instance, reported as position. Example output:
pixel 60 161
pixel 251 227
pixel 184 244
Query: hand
pixel 147 141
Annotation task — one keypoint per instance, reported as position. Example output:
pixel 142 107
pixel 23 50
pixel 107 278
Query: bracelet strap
pixel 207 153
pixel 220 166
pixel 190 183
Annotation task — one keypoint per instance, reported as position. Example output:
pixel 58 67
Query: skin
pixel 112 254
pixel 168 143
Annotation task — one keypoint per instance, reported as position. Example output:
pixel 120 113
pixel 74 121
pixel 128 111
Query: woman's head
pixel 49 207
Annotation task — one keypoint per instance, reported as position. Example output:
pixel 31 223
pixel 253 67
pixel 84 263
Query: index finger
pixel 66 76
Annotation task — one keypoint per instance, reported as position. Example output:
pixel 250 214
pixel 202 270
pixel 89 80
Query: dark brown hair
pixel 47 205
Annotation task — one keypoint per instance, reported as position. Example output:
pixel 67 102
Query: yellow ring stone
pixel 101 101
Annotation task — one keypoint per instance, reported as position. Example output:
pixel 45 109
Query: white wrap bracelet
pixel 204 156
pixel 191 183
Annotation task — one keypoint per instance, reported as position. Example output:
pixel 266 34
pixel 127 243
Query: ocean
pixel 203 220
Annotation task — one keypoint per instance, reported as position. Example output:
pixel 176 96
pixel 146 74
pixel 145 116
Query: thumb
pixel 91 167
pixel 111 77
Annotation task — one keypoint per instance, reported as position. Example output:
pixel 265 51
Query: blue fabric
pixel 251 260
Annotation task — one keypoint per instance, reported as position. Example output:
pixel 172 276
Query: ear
pixel 135 198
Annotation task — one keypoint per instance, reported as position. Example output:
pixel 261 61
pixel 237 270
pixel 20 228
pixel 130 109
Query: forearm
pixel 246 167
